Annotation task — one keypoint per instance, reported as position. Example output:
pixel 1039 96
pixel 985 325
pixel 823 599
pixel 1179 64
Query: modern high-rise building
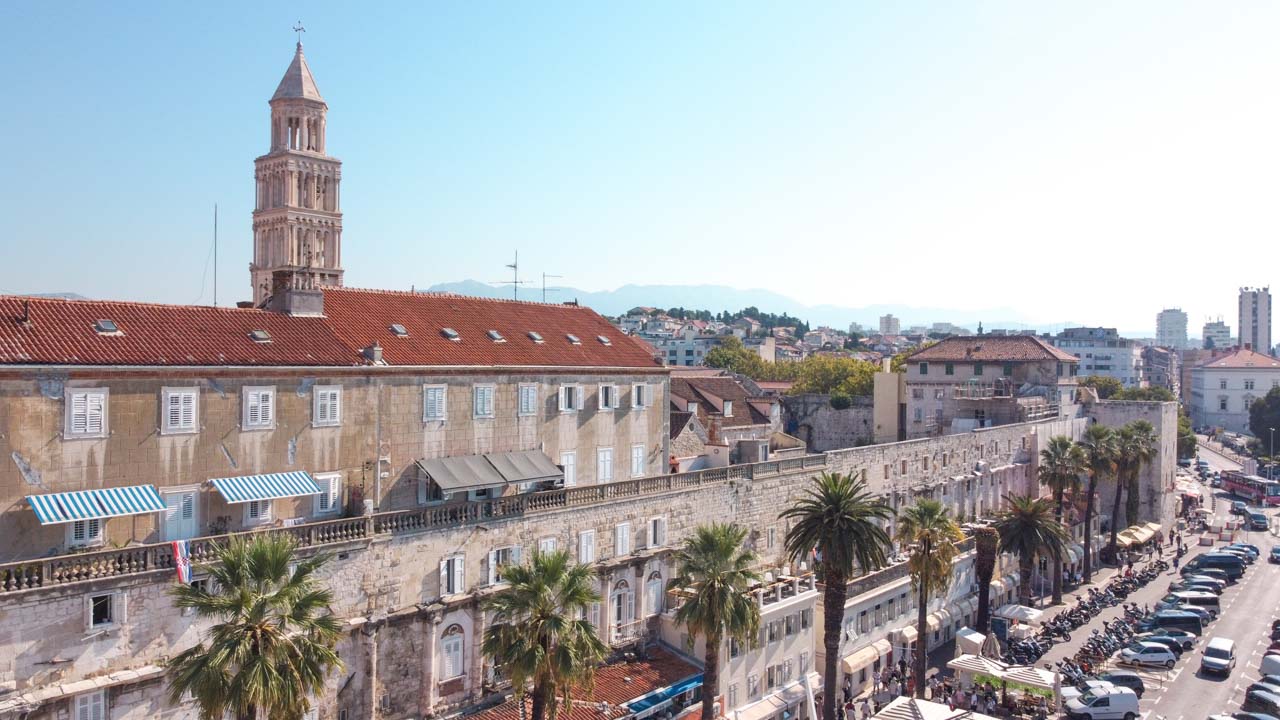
pixel 1255 319
pixel 890 325
pixel 1216 334
pixel 1171 329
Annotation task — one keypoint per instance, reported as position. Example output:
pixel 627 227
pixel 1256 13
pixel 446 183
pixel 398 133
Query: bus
pixel 1257 490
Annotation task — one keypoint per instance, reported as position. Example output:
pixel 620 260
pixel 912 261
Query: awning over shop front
pixel 524 466
pixel 938 619
pixel 494 470
pixel 907 634
pixel 1126 538
pixel 1075 553
pixel 866 656
pixel 788 697
pixel 266 487
pixel 68 507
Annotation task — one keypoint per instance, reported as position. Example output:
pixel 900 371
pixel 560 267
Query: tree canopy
pixel 1149 394
pixel 1264 414
pixel 1105 386
pixel 821 374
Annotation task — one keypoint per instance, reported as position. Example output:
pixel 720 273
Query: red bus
pixel 1257 490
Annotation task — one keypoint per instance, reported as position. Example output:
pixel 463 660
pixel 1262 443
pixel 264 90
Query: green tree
pixel 272 640
pixel 731 355
pixel 1104 385
pixel 841 519
pixel 715 570
pixel 825 375
pixel 986 548
pixel 539 635
pixel 1146 394
pixel 1027 529
pixel 1187 443
pixel 1264 414
pixel 1099 446
pixel 1140 451
pixel 1061 464
pixel 932 536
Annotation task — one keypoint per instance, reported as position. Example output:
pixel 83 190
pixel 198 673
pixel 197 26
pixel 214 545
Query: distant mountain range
pixel 719 297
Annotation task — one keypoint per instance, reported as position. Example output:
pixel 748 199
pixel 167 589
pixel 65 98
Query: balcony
pixel 626 633
pixel 890 573
pixel 983 391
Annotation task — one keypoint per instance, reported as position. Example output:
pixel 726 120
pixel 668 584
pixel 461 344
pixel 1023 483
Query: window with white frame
pixel 570 398
pixel 501 558
pixel 84 533
pixel 451 575
pixel 657 532
pixel 728 408
pixel 569 461
pixel 640 396
pixel 178 410
pixel 654 593
pixel 637 460
pixel 806 619
pixel 257 512
pixel 733 695
pixel 451 647
pixel 586 547
pixel 608 397
pixel 91 706
pixel 482 401
pixel 329 501
pixel 259 408
pixel 753 685
pixel 804 663
pixel 547 545
pixel 433 403
pixel 622 539
pixel 86 412
pixel 326 405
pixel 604 465
pixel 103 611
pixel 735 648
pixel 528 404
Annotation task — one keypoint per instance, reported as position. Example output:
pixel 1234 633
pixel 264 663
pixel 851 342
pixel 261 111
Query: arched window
pixel 451 646
pixel 653 592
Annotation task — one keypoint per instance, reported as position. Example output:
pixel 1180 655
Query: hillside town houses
pixel 425 441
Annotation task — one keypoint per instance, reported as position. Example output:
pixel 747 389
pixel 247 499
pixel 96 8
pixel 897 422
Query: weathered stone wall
pixel 811 418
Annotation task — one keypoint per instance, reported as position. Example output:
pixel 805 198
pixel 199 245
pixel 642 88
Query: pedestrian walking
pixel 866 709
pixel 875 680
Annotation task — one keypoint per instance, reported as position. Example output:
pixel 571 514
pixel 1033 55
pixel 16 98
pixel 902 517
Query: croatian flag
pixel 182 561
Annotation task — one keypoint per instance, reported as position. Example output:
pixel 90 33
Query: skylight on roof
pixel 496 336
pixel 536 337
pixel 604 340
pixel 106 327
pixel 260 336
pixel 398 330
pixel 451 334
pixel 573 339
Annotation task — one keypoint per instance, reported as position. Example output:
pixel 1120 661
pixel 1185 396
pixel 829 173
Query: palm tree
pixel 987 546
pixel 272 641
pixel 1099 447
pixel 539 634
pixel 1061 464
pixel 1027 529
pixel 714 569
pixel 1124 441
pixel 933 537
pixel 1143 451
pixel 839 518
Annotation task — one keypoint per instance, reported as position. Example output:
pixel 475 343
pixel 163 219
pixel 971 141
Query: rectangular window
pixel 735 648
pixel 657 532
pixel 569 461
pixel 259 408
pixel 733 695
pixel 804 663
pixel 451 656
pixel 1222 384
pixel 586 547
pixel 178 407
pixel 977 368
pixel 753 685
pixel 608 397
pixel 637 460
pixel 792 625
pixel 570 398
pixel 728 408
pixel 91 706
pixel 104 610
pixel 326 405
pixel 917 393
pixel 806 619
pixel 771 538
pixel 1248 384
pixel 547 545
pixel 257 512
pixel 939 394
pixel 86 413
pixel 528 400
pixel 604 465
pixel 640 396
pixel 773 631
pixel 84 533
pixel 924 368
pixel 918 415
pixel 501 558
pixel 451 575
pixel 622 539
pixel 482 401
pixel 950 369
pixel 329 501
pixel 1222 403
pixel 1008 369
pixel 433 403
pixel 771 675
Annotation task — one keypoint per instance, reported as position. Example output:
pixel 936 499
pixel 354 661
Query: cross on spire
pixel 299 30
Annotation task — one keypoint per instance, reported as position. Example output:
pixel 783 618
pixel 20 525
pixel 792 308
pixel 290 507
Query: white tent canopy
pixel 1021 613
pixel 969 641
pixel 969 665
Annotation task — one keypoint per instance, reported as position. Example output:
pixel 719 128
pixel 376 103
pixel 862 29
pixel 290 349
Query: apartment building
pixel 1101 351
pixel 1255 319
pixel 1223 389
pixel 1171 329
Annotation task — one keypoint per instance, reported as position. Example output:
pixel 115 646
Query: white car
pixel 1148 653
pixel 1071 692
pixel 1117 703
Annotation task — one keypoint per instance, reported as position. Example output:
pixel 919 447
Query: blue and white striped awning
pixel 266 487
pixel 87 504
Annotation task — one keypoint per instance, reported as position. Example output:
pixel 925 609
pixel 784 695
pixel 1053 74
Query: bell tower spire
pixel 297 218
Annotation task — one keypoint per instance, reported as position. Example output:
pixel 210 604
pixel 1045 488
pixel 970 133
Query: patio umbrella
pixel 991 647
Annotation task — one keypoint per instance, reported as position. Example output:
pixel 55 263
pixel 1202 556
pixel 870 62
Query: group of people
pixel 985 699
pixel 895 681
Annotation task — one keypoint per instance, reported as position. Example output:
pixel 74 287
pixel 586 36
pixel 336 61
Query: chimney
pixel 886 364
pixel 373 353
pixel 295 293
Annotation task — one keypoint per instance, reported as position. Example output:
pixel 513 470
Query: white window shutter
pixel 95 413
pixel 659 532
pixel 458 577
pixel 79 413
pixel 444 577
pixel 188 418
pixel 267 414
pixel 622 539
pixel 587 546
pixel 492 565
pixel 577 397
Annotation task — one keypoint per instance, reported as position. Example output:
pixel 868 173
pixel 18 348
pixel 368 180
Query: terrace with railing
pixel 134 560
pixel 895 571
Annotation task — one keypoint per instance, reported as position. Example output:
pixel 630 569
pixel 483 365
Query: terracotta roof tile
pixel 1242 359
pixel 711 393
pixel 991 348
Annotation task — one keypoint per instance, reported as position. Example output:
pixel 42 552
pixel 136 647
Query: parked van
pixel 1114 703
pixel 1197 598
pixel 1230 564
pixel 1219 656
pixel 1258 521
pixel 1173 620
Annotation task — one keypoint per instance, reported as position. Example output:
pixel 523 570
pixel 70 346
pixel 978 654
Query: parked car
pixel 1265 686
pixel 1251 548
pixel 1211 573
pixel 1232 565
pixel 1258 521
pixel 1269 665
pixel 1184 462
pixel 1219 656
pixel 1070 692
pixel 1239 507
pixel 1116 703
pixel 1184 638
pixel 1125 678
pixel 1244 554
pixel 1275 554
pixel 1172 643
pixel 1206 614
pixel 1262 701
pixel 1148 653
pixel 1172 620
pixel 1253 716
pixel 1194 598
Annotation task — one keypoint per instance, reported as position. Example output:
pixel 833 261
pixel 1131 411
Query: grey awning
pixel 524 466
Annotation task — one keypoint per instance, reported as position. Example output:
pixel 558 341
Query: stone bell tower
pixel 297 219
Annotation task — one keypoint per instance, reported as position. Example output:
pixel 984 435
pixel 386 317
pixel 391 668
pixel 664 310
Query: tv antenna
pixel 546 289
pixel 515 282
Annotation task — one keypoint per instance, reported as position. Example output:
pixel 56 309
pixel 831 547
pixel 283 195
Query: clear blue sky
pixel 1084 160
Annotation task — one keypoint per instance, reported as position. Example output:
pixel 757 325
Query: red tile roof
pixel 615 685
pixel 61 332
pixel 361 317
pixel 1243 359
pixel 991 348
pixel 711 393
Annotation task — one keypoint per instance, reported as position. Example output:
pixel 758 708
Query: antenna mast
pixel 546 289
pixel 215 254
pixel 515 282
